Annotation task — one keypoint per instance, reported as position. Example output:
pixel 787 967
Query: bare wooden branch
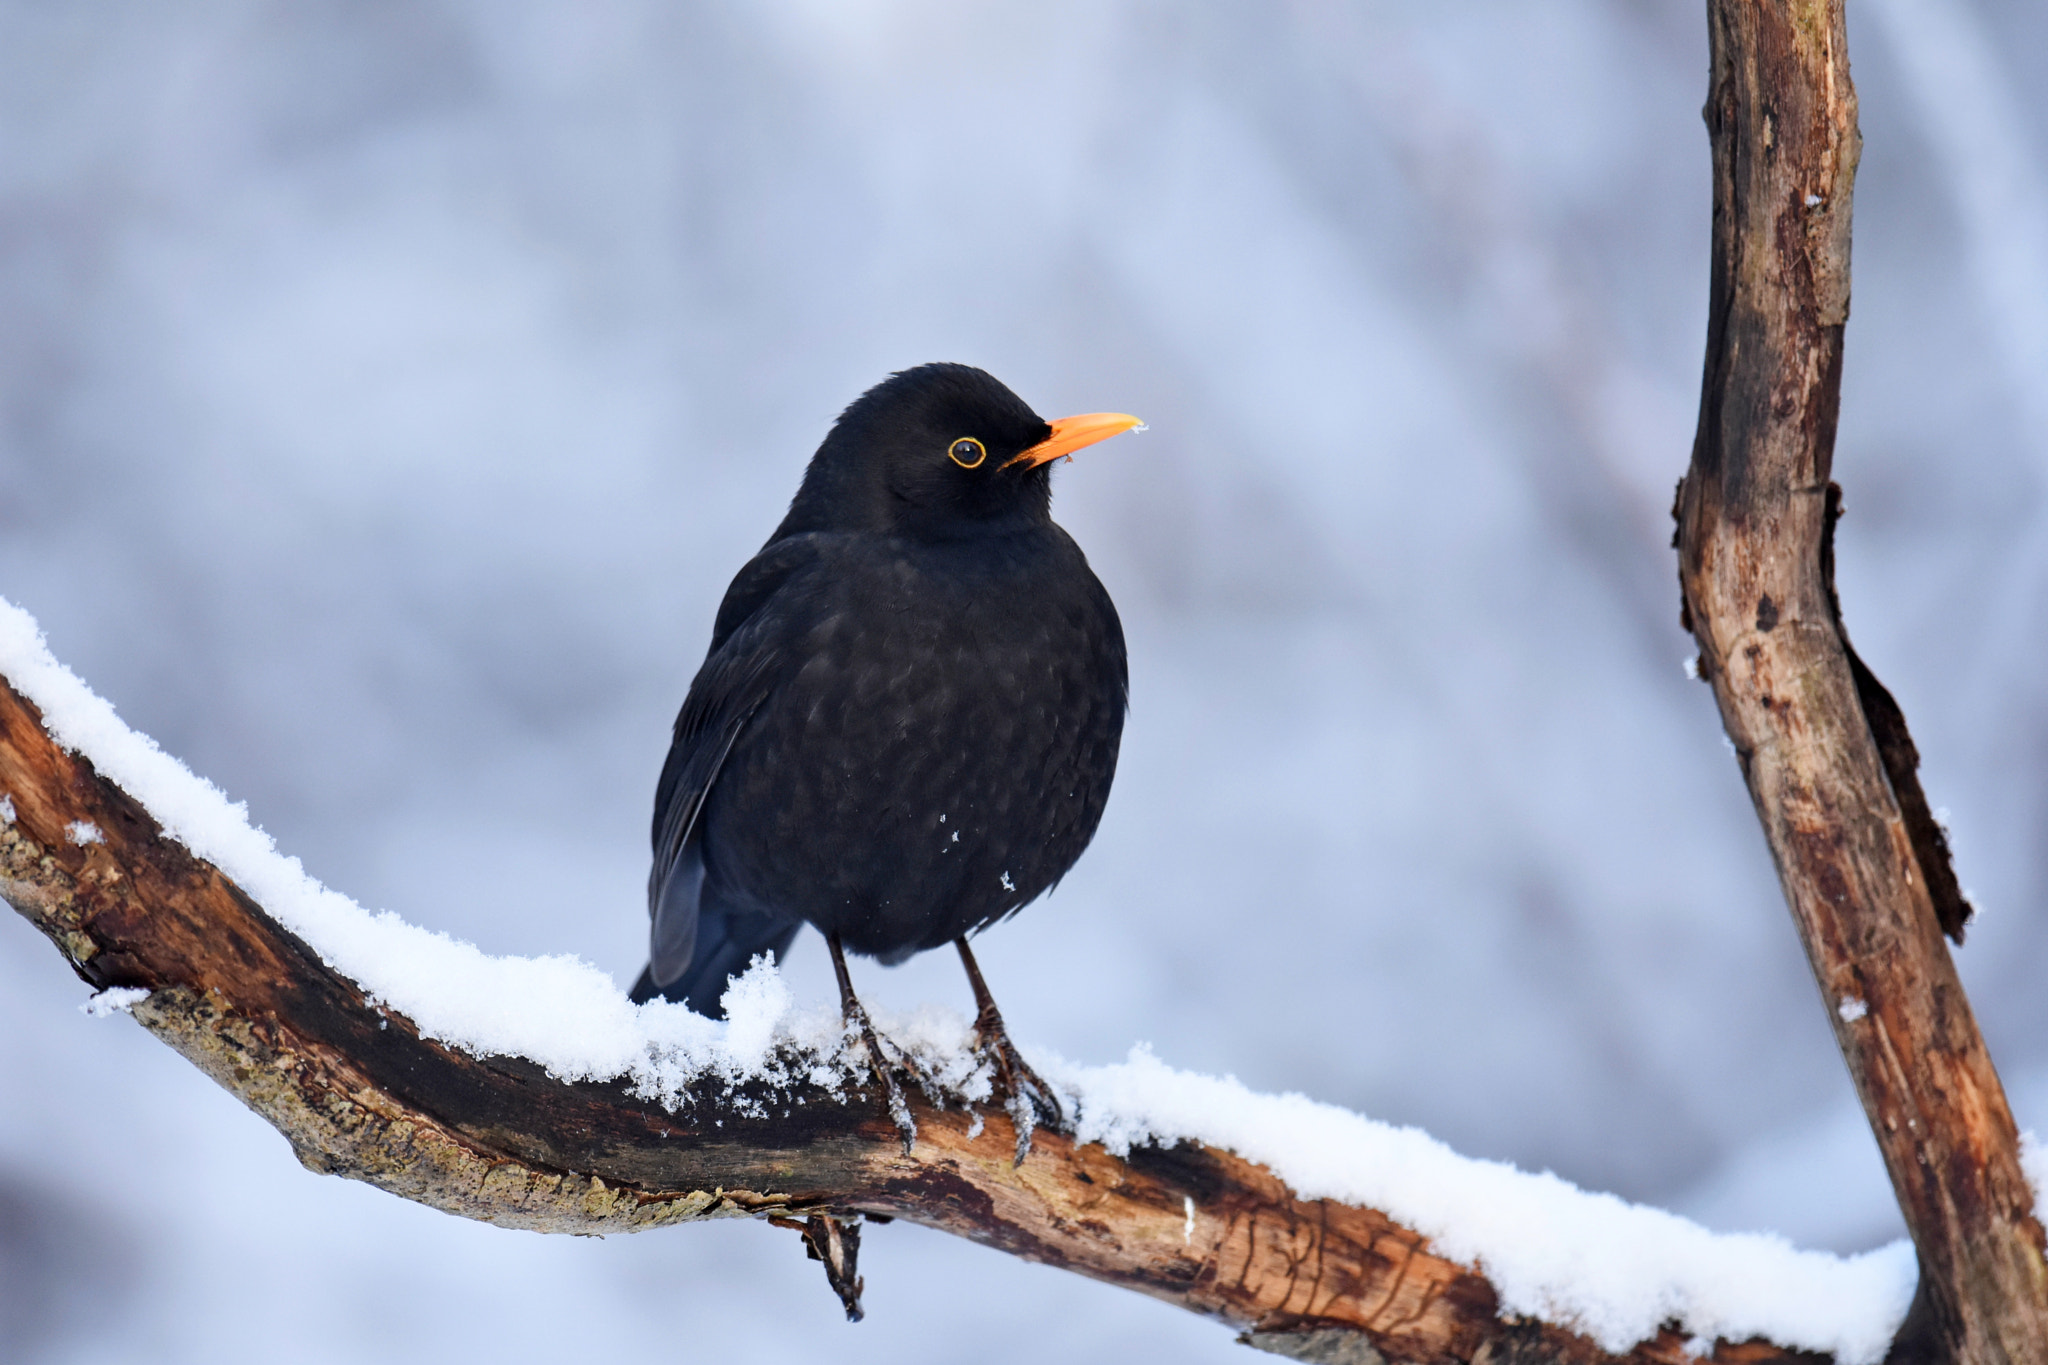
pixel 1869 886
pixel 359 1093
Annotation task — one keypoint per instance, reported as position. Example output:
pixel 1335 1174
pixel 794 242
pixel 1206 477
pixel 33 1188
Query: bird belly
pixel 924 776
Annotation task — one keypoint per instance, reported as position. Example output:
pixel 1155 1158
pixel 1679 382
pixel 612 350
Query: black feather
pixel 908 721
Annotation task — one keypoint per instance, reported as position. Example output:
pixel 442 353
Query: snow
pixel 558 1011
pixel 1851 1009
pixel 114 1000
pixel 2034 1161
pixel 1600 1265
pixel 82 832
pixel 1613 1270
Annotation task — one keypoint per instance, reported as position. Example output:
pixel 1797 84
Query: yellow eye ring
pixel 967 452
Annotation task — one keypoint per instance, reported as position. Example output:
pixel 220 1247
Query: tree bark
pixel 1823 746
pixel 359 1093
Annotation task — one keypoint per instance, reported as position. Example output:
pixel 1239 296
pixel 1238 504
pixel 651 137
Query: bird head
pixel 939 451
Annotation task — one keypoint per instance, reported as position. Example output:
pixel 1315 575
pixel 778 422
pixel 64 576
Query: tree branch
pixel 1823 746
pixel 359 1093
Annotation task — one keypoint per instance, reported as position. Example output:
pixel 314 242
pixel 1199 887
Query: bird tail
pixel 726 945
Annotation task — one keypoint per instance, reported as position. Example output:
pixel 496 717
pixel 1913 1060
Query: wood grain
pixel 1755 516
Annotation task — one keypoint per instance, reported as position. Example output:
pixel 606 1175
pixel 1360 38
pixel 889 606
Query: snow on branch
pixel 531 1093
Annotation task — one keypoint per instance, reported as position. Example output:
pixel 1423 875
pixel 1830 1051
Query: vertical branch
pixel 1754 516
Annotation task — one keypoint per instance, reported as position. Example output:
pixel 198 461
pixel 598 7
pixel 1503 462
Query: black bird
pixel 907 723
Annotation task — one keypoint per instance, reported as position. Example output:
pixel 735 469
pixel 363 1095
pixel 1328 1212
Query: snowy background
pixel 388 391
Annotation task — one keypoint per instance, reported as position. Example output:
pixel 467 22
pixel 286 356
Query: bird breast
pixel 939 753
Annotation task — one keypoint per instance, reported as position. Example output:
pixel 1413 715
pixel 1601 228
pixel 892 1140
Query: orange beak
pixel 1069 434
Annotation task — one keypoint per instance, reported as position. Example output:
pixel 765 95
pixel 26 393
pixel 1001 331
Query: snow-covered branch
pixel 529 1093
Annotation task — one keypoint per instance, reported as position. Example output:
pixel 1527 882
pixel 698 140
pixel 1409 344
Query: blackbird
pixel 907 723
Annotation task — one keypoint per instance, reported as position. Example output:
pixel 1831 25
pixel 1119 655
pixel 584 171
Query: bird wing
pixel 738 675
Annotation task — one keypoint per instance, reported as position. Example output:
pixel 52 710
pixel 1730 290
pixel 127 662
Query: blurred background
pixel 389 390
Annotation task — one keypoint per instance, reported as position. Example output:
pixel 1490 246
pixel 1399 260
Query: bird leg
pixel 1023 1092
pixel 855 1014
pixel 836 1242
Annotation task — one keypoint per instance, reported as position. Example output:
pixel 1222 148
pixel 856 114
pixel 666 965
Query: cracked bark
pixel 359 1093
pixel 1823 746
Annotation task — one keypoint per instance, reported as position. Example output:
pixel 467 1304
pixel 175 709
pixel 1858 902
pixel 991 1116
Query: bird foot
pixel 892 1093
pixel 1024 1095
pixel 856 1016
pixel 836 1242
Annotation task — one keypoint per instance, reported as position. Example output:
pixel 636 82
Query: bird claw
pixel 1025 1096
pixel 856 1016
pixel 899 1114
pixel 1024 1120
pixel 892 1093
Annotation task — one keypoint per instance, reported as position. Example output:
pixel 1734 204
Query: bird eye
pixel 967 452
